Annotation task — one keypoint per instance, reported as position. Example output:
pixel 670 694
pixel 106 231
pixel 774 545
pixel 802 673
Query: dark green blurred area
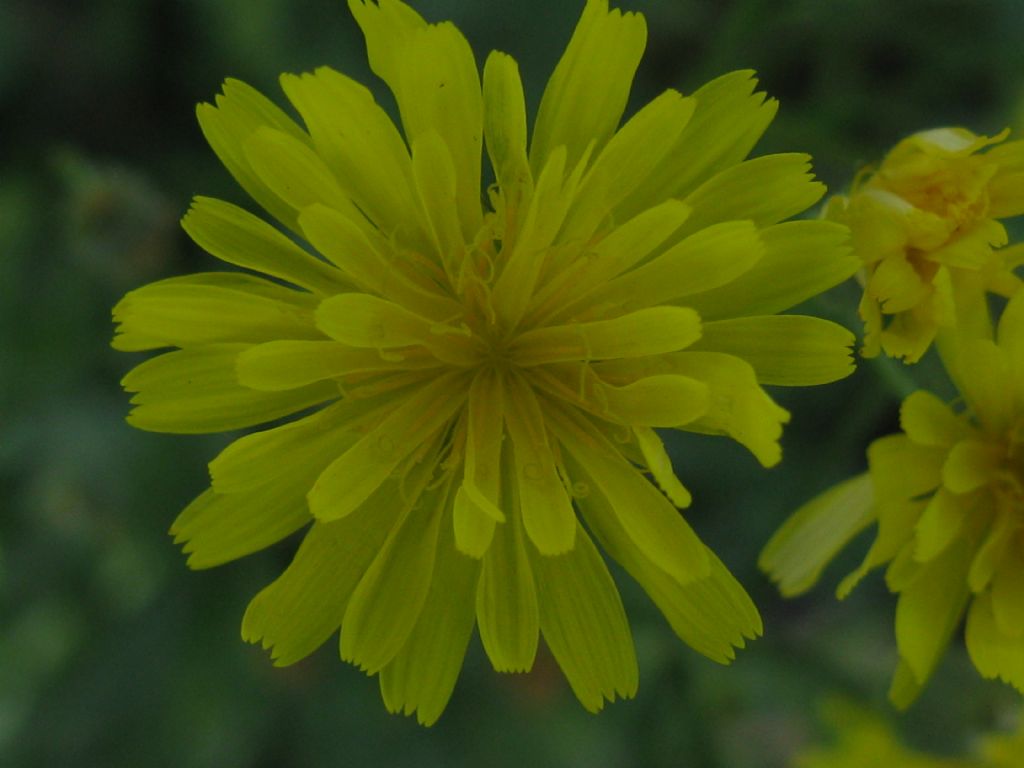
pixel 113 654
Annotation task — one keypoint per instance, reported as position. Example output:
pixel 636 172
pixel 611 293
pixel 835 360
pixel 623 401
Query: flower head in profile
pixel 468 383
pixel 926 226
pixel 948 497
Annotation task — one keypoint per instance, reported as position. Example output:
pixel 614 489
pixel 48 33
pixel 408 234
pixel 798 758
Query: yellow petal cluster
pixel 947 495
pixel 926 225
pixel 467 379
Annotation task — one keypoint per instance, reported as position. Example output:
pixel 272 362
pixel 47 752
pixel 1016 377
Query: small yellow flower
pixel 468 381
pixel 926 226
pixel 948 496
pixel 865 740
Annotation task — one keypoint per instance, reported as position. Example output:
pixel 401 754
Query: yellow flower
pixel 864 739
pixel 1005 749
pixel 470 381
pixel 948 496
pixel 926 227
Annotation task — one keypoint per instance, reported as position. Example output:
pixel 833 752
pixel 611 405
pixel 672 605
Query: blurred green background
pixel 113 654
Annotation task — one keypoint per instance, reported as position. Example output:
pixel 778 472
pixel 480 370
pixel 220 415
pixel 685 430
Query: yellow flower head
pixel 864 739
pixel 925 225
pixel 948 496
pixel 468 381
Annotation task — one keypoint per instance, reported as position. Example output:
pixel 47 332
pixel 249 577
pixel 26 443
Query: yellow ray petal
pixel 195 390
pixel 361 146
pixel 713 257
pixel 764 189
pixel 506 597
pixel 368 322
pixel 239 113
pixel 653 525
pixel 928 421
pixel 368 263
pixel 713 614
pixel 387 602
pixel 729 119
pixel 211 307
pixel 586 95
pixel 548 516
pixel 994 653
pixel 218 528
pixel 360 470
pixel 237 237
pixel 584 624
pixel 929 609
pixel 801 259
pixel 626 162
pixel 296 613
pixel 785 350
pixel 505 134
pixel 738 407
pixel 280 365
pixel 652 331
pixel 421 676
pixel 798 552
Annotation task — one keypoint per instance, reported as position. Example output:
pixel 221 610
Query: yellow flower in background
pixel 1003 750
pixel 948 496
pixel 926 226
pixel 865 740
pixel 468 381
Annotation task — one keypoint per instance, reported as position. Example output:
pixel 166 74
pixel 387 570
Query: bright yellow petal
pixel 280 365
pixel 385 606
pixel 626 162
pixel 929 609
pixel 940 524
pixel 587 93
pixel 986 381
pixel 713 614
pixel 706 260
pixel 584 624
pixel 653 525
pixel 645 332
pixel 211 307
pixel 217 528
pixel 195 390
pixel 785 350
pixel 237 237
pixel 972 464
pixel 928 421
pixel 798 552
pixel 295 614
pixel 505 134
pixel 548 516
pixel 738 407
pixel 901 469
pixel 994 653
pixel 659 464
pixel 421 676
pixel 1008 594
pixel 239 113
pixel 360 145
pixel 506 598
pixel 367 262
pixel 294 172
pixel 764 189
pixel 298 449
pixel 801 259
pixel 360 470
pixel 729 119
